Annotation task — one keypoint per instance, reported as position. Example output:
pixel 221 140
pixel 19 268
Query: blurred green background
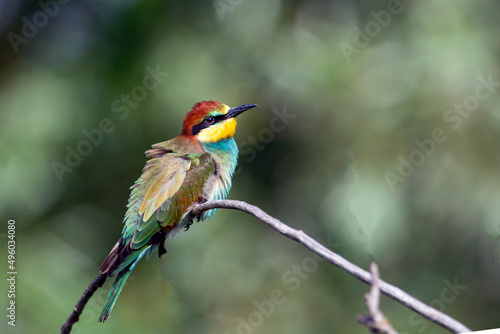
pixel 378 133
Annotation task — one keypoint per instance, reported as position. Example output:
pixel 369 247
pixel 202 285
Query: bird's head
pixel 211 121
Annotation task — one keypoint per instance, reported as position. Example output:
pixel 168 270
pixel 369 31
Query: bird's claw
pixel 189 223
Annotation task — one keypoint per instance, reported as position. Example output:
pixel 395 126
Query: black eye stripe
pixel 204 124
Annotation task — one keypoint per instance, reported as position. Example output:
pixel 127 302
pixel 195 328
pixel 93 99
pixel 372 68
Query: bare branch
pixel 376 321
pixel 389 290
pixel 77 310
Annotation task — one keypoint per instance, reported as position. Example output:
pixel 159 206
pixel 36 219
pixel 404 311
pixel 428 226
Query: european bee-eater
pixel 194 167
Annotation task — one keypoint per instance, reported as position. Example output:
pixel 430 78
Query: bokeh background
pixel 377 133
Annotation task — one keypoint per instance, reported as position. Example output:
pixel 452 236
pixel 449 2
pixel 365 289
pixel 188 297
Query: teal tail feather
pixel 119 283
pixel 117 287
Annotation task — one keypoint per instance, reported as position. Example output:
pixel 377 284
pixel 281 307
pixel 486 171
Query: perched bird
pixel 192 168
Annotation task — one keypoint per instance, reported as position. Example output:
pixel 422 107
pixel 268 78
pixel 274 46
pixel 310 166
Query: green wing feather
pixel 170 184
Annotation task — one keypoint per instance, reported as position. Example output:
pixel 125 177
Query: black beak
pixel 233 112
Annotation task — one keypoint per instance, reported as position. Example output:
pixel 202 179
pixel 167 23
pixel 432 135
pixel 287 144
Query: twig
pixel 77 310
pixel 376 321
pixel 389 290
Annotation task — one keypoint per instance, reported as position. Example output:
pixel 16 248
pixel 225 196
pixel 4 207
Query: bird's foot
pixel 197 217
pixel 189 223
